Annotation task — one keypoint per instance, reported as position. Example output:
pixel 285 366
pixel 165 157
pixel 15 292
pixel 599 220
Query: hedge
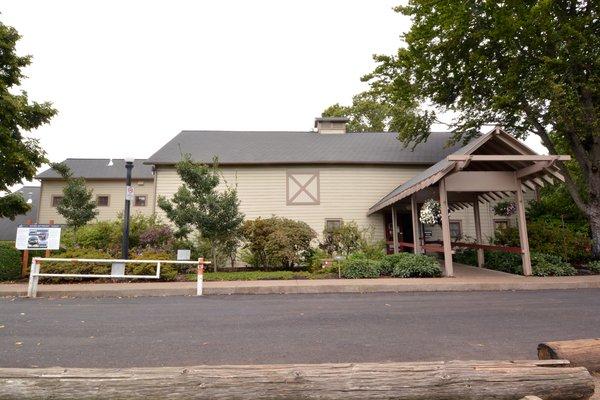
pixel 410 265
pixel 10 262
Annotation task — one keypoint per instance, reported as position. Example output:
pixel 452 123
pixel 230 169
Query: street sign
pixel 38 237
pixel 129 193
pixel 183 254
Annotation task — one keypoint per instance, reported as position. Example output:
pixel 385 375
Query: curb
pixel 300 288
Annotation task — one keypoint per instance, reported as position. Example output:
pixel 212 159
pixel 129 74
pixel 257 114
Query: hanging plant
pixel 505 208
pixel 431 212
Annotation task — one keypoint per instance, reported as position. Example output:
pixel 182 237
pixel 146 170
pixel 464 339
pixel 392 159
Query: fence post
pixel 200 281
pixel 33 278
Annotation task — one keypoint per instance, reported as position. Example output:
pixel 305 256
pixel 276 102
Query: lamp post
pixel 128 197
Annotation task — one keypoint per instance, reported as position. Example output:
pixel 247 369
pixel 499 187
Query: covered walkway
pixel 493 167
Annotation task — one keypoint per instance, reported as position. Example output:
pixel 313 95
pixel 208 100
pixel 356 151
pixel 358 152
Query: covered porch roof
pixel 490 168
pixel 487 167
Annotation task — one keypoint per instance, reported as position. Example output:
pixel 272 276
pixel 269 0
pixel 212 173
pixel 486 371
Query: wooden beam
pixel 534 169
pixel 395 230
pixel 448 267
pixel 415 224
pixel 478 236
pixel 525 256
pixel 480 181
pixel 507 157
pixel 580 353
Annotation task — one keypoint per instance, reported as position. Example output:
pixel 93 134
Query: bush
pixel 549 237
pixel 358 266
pixel 550 265
pixel 168 272
pixel 541 264
pixel 387 263
pixel 409 265
pixel 10 262
pixel 76 268
pixel 466 256
pixel 253 275
pixel 344 240
pixel 277 242
pixel 594 267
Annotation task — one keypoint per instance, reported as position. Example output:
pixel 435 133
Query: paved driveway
pixel 156 331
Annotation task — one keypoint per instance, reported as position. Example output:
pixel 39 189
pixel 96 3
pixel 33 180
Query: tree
pixel 531 66
pixel 77 205
pixel 20 157
pixel 198 205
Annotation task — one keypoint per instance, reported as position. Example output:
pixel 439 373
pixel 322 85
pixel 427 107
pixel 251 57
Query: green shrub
pixel 389 262
pixel 76 267
pixel 550 265
pixel 10 262
pixel 466 256
pixel 253 275
pixel 411 265
pixel 357 266
pixel 168 272
pixel 541 264
pixel 277 242
pixel 549 237
pixel 594 267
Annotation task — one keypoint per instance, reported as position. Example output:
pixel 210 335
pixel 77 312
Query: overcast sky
pixel 127 76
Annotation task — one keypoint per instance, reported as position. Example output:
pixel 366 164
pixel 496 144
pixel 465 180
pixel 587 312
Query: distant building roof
pixel 100 168
pixel 8 228
pixel 241 147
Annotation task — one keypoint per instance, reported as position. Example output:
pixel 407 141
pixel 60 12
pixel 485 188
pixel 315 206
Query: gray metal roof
pixel 8 228
pixel 99 168
pixel 241 147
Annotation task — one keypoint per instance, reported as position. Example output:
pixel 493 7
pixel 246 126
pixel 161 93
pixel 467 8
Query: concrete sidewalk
pixel 467 279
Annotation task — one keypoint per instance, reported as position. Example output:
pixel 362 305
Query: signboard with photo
pixel 38 237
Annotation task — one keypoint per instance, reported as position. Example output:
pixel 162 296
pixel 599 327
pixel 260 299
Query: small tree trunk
pixel 213 252
pixel 595 228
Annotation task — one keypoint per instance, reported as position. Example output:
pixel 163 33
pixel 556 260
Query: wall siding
pixel 346 192
pixel 114 189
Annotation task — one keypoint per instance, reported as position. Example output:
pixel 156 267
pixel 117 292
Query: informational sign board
pixel 183 255
pixel 428 234
pixel 38 237
pixel 129 193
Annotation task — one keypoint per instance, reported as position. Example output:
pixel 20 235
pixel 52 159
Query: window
pixel 331 224
pixel 455 230
pixel 500 224
pixel 56 200
pixel 102 200
pixel 140 201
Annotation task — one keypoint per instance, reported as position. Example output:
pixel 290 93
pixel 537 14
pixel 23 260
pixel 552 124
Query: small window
pixel 333 224
pixel 56 200
pixel 500 224
pixel 102 201
pixel 455 230
pixel 140 201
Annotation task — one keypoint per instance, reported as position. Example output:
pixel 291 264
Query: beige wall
pixel 114 189
pixel 346 192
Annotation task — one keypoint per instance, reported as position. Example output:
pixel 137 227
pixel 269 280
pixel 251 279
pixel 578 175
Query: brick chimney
pixel 331 125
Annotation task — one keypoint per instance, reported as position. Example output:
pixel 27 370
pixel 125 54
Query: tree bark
pixel 467 380
pixel 580 353
pixel 594 219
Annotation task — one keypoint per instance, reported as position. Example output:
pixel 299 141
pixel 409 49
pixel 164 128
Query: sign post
pixel 200 281
pixel 129 195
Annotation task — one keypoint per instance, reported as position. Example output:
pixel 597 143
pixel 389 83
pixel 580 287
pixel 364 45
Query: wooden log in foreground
pixel 580 353
pixel 423 380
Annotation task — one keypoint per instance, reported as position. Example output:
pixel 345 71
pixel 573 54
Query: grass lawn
pixel 258 276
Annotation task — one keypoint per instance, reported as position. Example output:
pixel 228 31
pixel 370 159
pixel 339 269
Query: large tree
pixel 198 205
pixel 20 157
pixel 532 66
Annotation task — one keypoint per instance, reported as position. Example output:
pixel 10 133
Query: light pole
pixel 128 197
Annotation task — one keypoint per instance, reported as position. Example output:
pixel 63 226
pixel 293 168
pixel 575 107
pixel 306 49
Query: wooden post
pixel 415 224
pixel 25 260
pixel 47 253
pixel 448 267
pixel 395 229
pixel 525 255
pixel 480 254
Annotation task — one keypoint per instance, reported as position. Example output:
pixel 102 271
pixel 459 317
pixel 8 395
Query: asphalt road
pixel 175 331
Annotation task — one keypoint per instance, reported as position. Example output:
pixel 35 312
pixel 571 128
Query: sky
pixel 127 76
